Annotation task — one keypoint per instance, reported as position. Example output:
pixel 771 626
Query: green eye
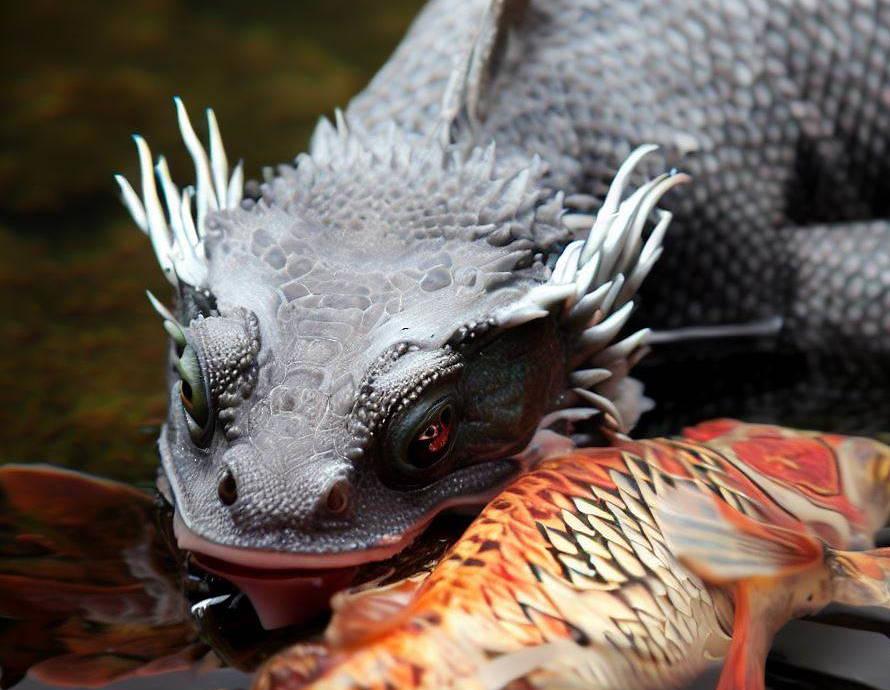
pixel 193 394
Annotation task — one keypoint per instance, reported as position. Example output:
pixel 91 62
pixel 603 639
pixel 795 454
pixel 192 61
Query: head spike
pixel 132 203
pixel 206 200
pixel 219 164
pixel 176 237
pixel 604 271
pixel 162 311
pixel 157 224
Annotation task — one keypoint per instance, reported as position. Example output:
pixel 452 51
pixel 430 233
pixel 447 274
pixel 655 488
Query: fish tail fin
pixel 728 548
pixel 861 578
pixel 722 545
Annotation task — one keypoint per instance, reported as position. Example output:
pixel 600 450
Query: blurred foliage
pixel 81 363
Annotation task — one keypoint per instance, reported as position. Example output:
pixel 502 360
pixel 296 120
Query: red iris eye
pixel 433 440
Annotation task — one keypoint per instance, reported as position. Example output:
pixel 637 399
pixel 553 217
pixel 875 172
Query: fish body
pixel 625 568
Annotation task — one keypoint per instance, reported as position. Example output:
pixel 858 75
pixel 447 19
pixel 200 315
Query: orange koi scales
pixel 623 568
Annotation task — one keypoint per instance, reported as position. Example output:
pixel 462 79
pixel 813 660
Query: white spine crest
pixel 176 232
pixel 591 289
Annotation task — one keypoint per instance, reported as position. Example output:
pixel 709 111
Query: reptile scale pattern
pixel 778 110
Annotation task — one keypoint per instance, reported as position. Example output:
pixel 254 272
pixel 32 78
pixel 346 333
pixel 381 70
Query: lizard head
pixel 379 335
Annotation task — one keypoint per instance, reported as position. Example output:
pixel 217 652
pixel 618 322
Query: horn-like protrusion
pixel 568 414
pixel 603 333
pixel 176 235
pixel 612 295
pixel 154 213
pixel 549 296
pixel 206 198
pixel 610 208
pixel 587 378
pixel 582 313
pixel 174 330
pixel 600 402
pixel 622 349
pixel 161 310
pixel 604 272
pixel 566 264
pixel 132 203
pixel 219 163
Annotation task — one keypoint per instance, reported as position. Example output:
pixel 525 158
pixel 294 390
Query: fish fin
pixel 293 667
pixel 511 667
pixel 360 614
pixel 722 545
pixel 745 664
pixel 861 578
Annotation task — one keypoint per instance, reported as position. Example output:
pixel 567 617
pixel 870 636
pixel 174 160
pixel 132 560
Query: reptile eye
pixel 433 441
pixel 193 395
pixel 419 444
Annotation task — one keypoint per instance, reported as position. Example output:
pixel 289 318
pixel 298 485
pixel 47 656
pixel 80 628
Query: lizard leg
pixel 830 360
pixel 839 289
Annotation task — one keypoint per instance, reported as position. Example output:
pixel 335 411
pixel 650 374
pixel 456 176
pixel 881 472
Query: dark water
pixel 90 593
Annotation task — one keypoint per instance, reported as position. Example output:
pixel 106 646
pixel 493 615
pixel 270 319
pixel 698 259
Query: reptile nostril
pixel 337 501
pixel 227 489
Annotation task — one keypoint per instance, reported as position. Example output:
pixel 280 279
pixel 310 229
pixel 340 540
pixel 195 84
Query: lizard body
pixel 381 331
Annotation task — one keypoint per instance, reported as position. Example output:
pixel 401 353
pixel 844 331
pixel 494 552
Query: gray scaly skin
pixel 408 284
pixel 780 113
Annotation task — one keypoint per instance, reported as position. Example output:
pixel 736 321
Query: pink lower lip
pixel 292 588
pixel 287 597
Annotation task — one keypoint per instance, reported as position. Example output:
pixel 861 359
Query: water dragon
pixel 390 325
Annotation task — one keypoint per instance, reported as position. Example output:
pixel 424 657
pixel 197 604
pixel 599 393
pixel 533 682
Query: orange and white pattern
pixel 628 567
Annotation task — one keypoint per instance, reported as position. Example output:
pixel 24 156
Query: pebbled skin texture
pixel 335 326
pixel 363 259
pixel 778 110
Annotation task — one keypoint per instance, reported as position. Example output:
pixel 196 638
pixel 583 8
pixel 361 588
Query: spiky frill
pixel 177 235
pixel 591 290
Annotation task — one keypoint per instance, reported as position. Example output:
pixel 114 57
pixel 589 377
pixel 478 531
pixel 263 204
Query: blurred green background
pixel 81 353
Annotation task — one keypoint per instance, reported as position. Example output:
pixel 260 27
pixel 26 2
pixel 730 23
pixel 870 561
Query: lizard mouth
pixel 284 588
pixel 294 588
pixel 282 597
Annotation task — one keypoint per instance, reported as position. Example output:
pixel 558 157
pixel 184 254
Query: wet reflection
pixel 92 591
pixel 87 589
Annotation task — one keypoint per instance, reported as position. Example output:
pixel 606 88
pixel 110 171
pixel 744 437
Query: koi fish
pixel 631 567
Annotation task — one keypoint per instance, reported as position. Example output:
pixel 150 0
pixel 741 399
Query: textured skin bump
pixel 778 110
pixel 347 258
